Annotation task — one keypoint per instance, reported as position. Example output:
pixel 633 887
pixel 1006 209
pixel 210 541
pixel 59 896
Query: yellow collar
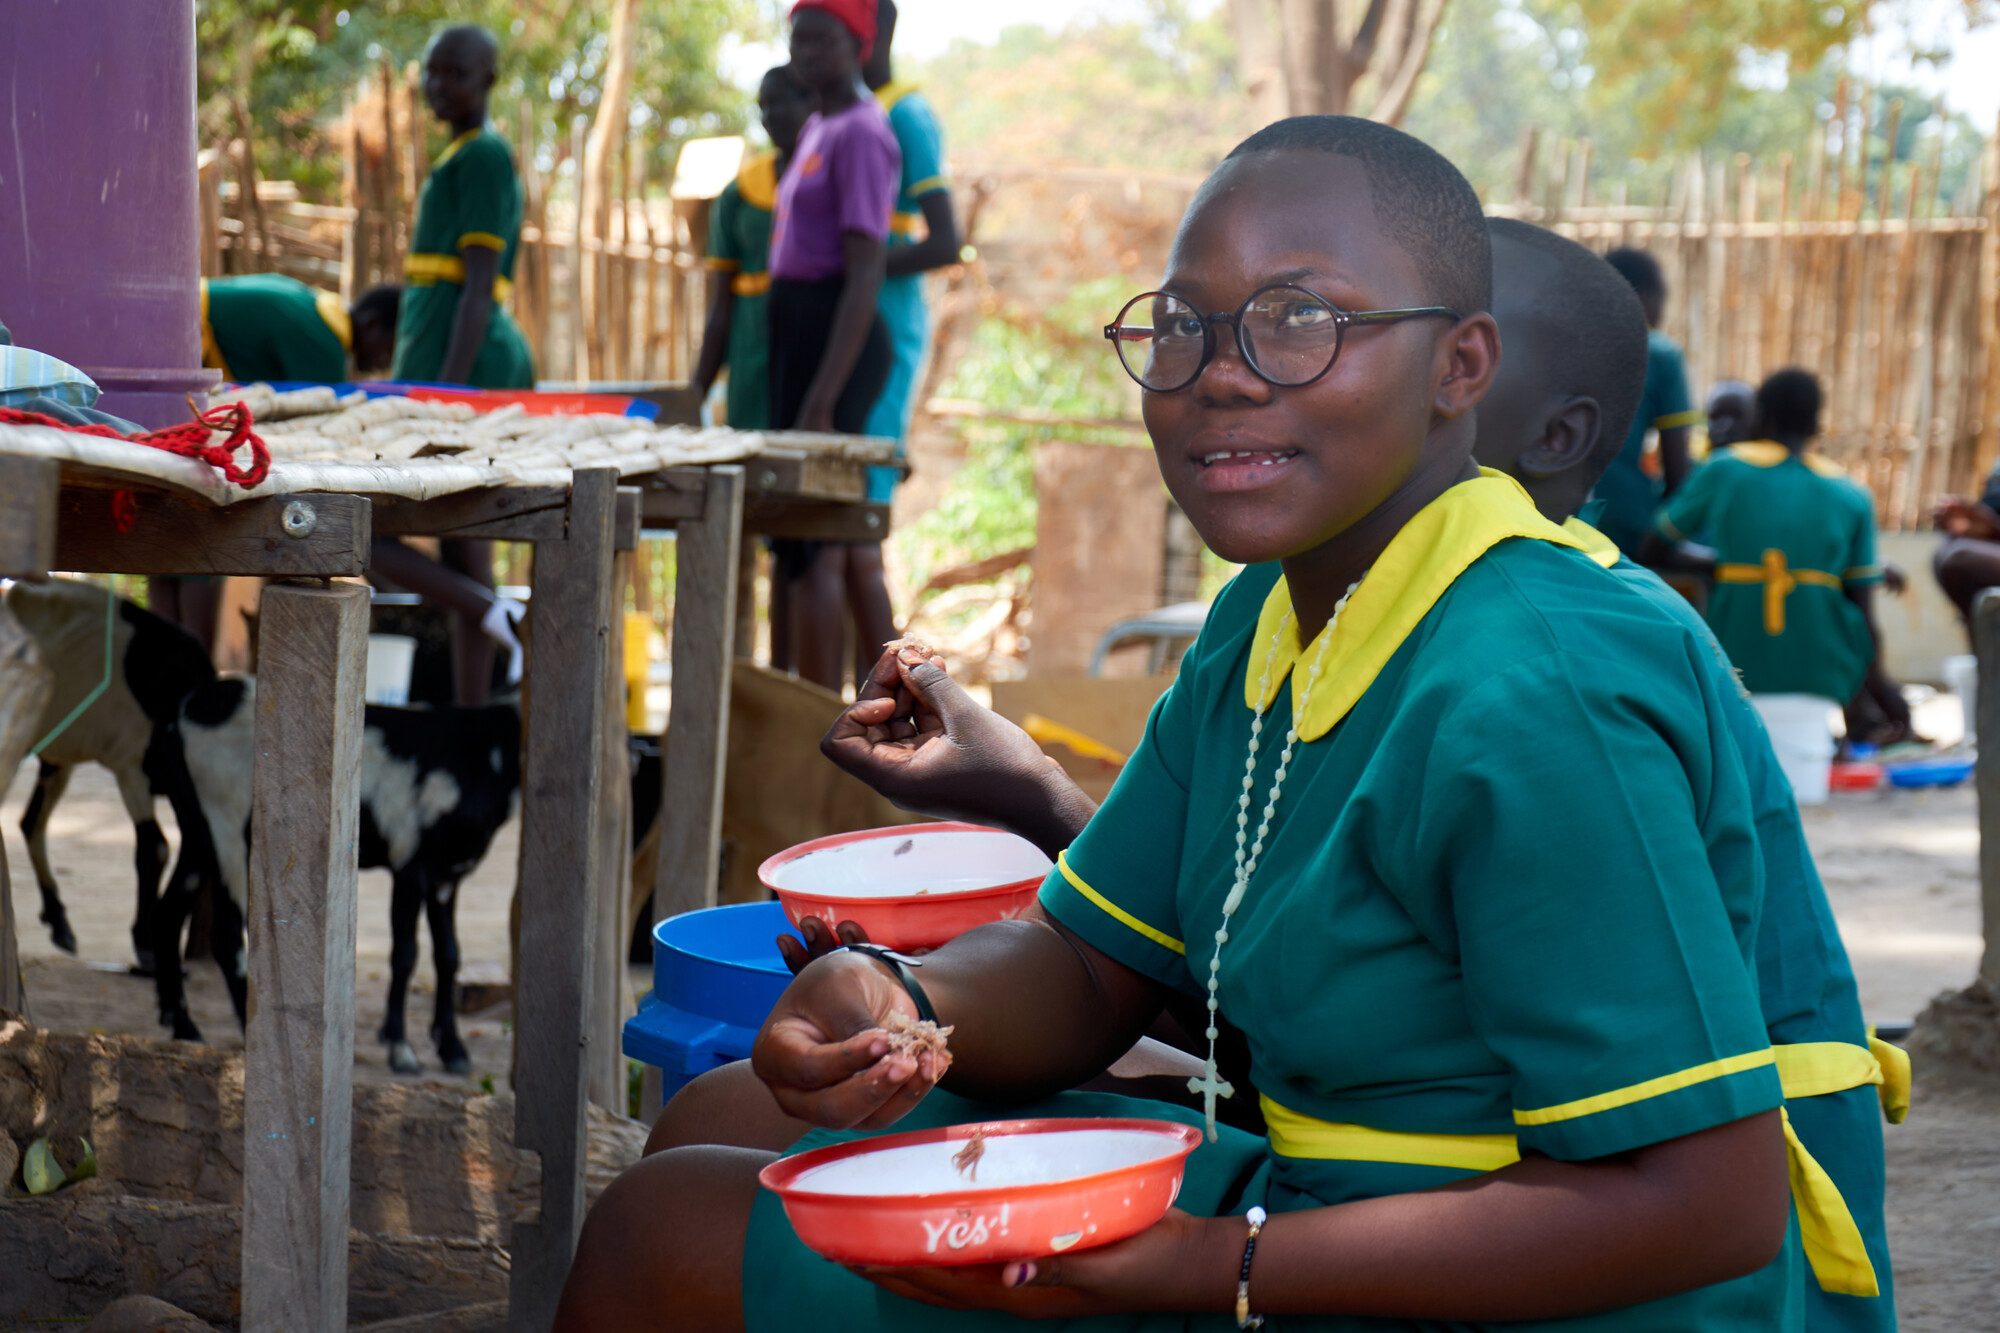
pixel 757 182
pixel 1421 562
pixel 892 92
pixel 1769 453
pixel 336 317
pixel 451 149
pixel 1595 544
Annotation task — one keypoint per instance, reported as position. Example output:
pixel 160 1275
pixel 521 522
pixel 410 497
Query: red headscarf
pixel 857 16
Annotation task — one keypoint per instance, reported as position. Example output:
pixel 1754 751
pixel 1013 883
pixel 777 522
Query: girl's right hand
pixel 1966 518
pixel 825 1056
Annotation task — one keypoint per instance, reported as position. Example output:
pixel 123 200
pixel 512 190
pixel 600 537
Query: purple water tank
pixel 99 220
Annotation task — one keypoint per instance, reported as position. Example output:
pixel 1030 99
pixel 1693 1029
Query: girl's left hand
pixel 1181 1262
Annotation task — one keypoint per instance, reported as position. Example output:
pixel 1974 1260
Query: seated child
pixel 1488 926
pixel 1569 380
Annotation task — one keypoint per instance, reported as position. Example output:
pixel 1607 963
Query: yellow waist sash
pixel 750 284
pixel 427 270
pixel 1832 1239
pixel 1778 580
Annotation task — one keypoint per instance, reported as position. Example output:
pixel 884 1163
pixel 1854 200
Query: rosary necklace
pixel 1211 1085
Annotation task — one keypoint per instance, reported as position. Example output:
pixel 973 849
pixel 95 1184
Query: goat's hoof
pixel 458 1064
pixel 62 936
pixel 403 1058
pixel 143 967
pixel 184 1028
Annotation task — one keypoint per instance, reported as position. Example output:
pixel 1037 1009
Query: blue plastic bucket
pixel 716 974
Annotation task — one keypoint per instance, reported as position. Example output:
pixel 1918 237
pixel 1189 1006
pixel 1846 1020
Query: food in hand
pixel 910 651
pixel 913 1036
pixel 966 1159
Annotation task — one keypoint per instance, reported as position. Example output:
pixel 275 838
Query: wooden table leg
pixel 298 1064
pixel 697 739
pixel 607 1060
pixel 561 875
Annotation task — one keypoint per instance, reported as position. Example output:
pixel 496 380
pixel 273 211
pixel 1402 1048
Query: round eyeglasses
pixel 1288 336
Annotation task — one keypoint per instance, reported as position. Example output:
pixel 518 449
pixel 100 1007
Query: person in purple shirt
pixel 830 354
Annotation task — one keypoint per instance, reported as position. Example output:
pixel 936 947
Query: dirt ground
pixel 1900 868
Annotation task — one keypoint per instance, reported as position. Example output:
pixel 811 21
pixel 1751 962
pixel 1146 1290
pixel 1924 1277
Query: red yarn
pixel 189 440
pixel 124 511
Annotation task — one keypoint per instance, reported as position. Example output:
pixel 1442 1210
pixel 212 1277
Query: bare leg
pixel 1965 567
pixel 471 649
pixel 193 604
pixel 782 597
pixel 663 1248
pixel 818 620
pixel 868 599
pixel 727 1107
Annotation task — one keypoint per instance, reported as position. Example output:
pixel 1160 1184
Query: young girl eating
pixel 1437 813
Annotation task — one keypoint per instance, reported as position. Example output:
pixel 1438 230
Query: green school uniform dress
pixel 901 304
pixel 1630 496
pixel 265 326
pixel 1507 903
pixel 739 244
pixel 1791 534
pixel 471 197
pixel 1838 1078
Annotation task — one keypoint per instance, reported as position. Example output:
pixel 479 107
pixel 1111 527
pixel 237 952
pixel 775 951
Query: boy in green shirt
pixel 453 328
pixel 1630 496
pixel 1568 384
pixel 738 333
pixel 268 327
pixel 1795 551
pixel 1488 924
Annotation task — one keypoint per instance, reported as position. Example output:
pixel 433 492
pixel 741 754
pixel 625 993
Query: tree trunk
pixel 607 131
pixel 1333 57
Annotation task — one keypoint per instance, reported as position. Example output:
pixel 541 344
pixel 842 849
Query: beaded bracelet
pixel 1244 1319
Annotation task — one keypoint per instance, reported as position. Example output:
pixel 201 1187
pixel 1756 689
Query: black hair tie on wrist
pixel 900 964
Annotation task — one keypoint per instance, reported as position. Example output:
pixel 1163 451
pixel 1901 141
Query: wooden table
pixel 56 514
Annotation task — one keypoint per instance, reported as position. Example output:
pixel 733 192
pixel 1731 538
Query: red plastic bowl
pixel 912 887
pixel 1042 1187
pixel 1854 776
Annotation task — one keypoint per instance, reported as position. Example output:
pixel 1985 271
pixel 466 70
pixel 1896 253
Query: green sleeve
pixel 723 252
pixel 1863 565
pixel 1688 512
pixel 1667 383
pixel 1588 827
pixel 922 142
pixel 488 196
pixel 1115 885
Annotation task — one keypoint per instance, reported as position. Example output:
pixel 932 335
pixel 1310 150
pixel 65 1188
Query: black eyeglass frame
pixel 1343 320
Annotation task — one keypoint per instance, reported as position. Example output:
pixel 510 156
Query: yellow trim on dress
pixel 1421 563
pixel 335 315
pixel 1779 580
pixel 1675 419
pixel 1652 1087
pixel 211 350
pixel 750 284
pixel 485 238
pixel 1595 544
pixel 1114 911
pixel 1769 453
pixel 892 92
pixel 757 181
pixel 905 224
pixel 451 149
pixel 715 265
pixel 1295 1134
pixel 928 185
pixel 424 270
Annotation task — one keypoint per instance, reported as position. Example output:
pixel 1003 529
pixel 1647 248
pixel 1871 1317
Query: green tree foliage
pixel 295 63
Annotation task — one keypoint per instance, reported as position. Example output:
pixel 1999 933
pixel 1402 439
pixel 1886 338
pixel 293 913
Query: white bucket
pixel 1802 736
pixel 390 657
pixel 1961 677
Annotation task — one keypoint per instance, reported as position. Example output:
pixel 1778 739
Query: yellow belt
pixel 1778 581
pixel 906 224
pixel 1832 1239
pixel 750 284
pixel 427 270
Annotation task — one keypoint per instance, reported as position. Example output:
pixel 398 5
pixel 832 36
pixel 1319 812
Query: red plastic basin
pixel 1042 1187
pixel 912 887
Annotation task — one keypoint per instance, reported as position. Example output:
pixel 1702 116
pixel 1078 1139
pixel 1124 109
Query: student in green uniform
pixel 738 334
pixel 1488 929
pixel 1568 384
pixel 1795 551
pixel 266 326
pixel 1731 414
pixel 454 328
pixel 1630 496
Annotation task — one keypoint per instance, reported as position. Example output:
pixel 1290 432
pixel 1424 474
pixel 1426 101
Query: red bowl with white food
pixel 1038 1187
pixel 912 887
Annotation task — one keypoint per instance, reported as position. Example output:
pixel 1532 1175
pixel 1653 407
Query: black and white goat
pixel 154 664
pixel 436 785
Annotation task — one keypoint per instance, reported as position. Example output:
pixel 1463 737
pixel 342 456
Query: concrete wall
pixel 1919 629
